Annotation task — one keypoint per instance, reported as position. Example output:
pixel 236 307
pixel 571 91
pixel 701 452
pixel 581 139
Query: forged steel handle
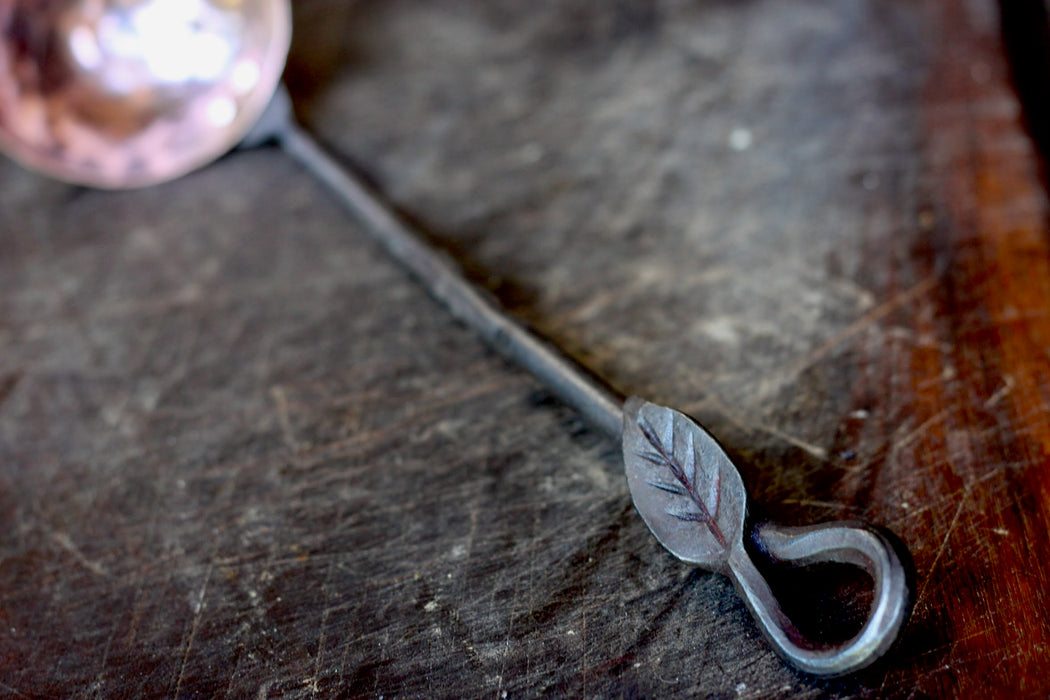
pixel 682 483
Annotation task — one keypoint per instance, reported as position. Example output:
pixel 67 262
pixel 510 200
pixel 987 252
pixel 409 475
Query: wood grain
pixel 242 455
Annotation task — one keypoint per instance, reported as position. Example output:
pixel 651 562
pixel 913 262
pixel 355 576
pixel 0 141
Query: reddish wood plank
pixel 973 465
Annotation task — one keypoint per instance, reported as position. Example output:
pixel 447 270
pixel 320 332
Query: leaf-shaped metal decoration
pixel 694 502
pixel 683 484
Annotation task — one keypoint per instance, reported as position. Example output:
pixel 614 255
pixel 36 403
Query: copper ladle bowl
pixel 129 93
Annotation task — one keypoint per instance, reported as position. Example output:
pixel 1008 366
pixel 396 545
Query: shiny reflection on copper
pixel 128 93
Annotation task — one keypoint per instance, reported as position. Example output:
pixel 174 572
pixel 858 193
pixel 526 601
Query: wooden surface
pixel 242 455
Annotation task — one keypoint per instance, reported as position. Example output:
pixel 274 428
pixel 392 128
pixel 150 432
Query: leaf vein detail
pixel 664 457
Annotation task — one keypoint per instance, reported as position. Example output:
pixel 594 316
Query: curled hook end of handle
pixel 846 543
pixel 692 498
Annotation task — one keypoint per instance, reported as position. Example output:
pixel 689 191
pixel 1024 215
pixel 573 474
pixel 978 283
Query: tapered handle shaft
pixel 441 277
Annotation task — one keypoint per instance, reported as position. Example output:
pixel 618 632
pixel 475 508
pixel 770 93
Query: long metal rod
pixel 442 279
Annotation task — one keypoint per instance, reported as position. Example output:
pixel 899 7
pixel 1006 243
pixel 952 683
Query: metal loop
pixel 843 542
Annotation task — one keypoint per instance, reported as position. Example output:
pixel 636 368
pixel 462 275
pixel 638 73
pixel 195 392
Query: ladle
pixel 129 93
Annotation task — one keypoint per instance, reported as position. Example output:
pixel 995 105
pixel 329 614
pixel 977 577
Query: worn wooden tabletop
pixel 242 454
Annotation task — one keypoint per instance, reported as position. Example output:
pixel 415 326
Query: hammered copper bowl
pixel 129 93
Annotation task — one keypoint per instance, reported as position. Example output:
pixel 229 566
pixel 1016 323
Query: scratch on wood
pixel 67 543
pixel 869 319
pixel 911 435
pixel 198 613
pixel 951 646
pixel 313 683
pixel 816 504
pixel 1001 392
pixel 944 542
pixel 914 513
pixel 104 663
pixel 752 426
pixel 16 691
pixel 421 408
pixel 280 399
pixel 903 441
pixel 814 450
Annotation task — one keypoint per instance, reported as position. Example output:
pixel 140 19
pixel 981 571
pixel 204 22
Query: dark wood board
pixel 241 454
